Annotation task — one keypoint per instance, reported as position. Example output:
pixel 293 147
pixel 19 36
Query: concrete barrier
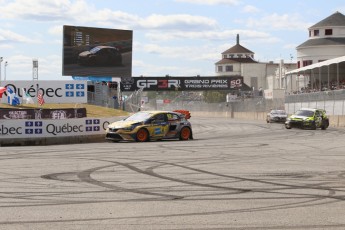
pixel 53 140
pixel 337 121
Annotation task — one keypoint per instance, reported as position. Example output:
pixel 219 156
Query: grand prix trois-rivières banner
pixel 183 83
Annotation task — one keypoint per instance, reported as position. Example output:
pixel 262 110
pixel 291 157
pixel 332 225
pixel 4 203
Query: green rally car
pixel 308 119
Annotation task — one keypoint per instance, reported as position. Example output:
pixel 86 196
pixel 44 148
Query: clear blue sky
pixel 175 37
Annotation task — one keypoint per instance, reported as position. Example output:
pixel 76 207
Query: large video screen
pixel 89 51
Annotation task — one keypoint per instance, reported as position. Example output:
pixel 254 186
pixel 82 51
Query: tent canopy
pixel 317 65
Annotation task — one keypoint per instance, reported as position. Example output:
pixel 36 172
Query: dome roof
pixel 238 49
pixel 322 42
pixel 336 19
pixel 235 60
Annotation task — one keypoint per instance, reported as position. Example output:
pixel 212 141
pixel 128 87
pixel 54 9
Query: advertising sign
pixel 89 51
pixel 53 128
pixel 42 113
pixel 183 83
pixel 53 91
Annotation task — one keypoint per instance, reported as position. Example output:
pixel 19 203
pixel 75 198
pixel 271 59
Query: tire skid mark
pixel 293 186
pixel 272 207
pixel 85 176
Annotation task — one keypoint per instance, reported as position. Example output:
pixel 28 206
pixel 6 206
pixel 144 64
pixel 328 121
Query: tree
pixel 215 96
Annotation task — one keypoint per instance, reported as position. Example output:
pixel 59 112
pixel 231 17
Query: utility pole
pixel 34 69
pixel 1 59
pixel 6 63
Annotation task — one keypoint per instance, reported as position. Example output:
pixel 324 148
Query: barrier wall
pixel 337 121
pixel 87 130
pixel 51 131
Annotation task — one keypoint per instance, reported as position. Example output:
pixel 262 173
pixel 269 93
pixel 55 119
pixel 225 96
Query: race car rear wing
pixel 186 113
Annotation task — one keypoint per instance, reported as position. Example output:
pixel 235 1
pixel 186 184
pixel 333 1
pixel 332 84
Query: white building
pixel 326 41
pixel 320 59
pixel 239 60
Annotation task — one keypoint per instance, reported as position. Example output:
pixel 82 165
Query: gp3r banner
pixel 183 83
pixel 53 91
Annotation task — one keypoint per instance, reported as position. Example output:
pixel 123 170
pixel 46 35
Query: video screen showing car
pixel 89 51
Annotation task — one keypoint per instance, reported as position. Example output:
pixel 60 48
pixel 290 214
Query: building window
pixel 229 68
pixel 298 64
pixel 309 33
pixel 307 62
pixel 254 82
pixel 316 33
pixel 328 31
pixel 220 68
pixel 224 56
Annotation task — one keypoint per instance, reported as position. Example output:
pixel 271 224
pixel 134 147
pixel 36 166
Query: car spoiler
pixel 186 113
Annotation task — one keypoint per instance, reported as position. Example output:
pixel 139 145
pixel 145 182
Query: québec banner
pixel 53 91
pixel 53 128
pixel 184 83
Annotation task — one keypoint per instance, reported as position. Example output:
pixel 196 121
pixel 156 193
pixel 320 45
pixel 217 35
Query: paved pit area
pixel 235 174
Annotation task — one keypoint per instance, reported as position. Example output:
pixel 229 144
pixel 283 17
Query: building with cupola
pixel 238 60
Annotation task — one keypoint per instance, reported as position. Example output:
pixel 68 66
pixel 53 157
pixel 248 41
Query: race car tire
pixel 142 135
pixel 287 126
pixel 325 124
pixel 313 126
pixel 185 133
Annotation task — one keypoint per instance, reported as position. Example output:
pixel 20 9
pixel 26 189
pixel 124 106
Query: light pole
pixel 1 59
pixel 6 63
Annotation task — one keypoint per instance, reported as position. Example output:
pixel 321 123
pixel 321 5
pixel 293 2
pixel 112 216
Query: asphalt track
pixel 234 175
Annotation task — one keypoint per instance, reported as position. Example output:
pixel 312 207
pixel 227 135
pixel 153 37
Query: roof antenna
pixel 238 39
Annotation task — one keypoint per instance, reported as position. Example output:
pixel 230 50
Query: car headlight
pixel 129 128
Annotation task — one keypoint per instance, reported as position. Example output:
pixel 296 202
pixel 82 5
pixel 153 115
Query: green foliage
pixel 215 96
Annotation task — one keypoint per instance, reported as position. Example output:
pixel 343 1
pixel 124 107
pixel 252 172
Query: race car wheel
pixel 142 135
pixel 185 133
pixel 325 124
pixel 287 126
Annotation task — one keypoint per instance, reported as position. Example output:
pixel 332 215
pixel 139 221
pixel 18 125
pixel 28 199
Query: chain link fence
pixel 332 101
pixel 246 105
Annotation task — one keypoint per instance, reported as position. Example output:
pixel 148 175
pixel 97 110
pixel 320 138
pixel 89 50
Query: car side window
pixel 101 52
pixel 172 117
pixel 159 118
